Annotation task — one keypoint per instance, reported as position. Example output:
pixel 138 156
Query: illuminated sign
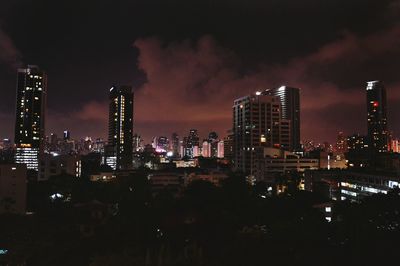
pixel 23 145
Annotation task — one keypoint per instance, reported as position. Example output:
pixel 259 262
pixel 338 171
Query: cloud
pixel 9 54
pixel 190 82
pixel 93 111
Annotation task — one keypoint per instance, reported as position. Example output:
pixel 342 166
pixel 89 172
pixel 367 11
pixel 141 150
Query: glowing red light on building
pixel 375 104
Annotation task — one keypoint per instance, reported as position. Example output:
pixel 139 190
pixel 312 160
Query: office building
pixel 290 103
pixel 378 135
pixel 120 125
pixel 30 116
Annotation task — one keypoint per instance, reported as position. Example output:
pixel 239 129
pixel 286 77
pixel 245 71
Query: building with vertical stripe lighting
pixel 120 128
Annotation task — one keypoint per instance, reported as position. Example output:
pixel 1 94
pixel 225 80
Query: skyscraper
pixel 67 135
pixel 175 144
pixel 30 116
pixel 256 123
pixel 191 144
pixel 120 126
pixel 290 102
pixel 378 138
pixel 213 141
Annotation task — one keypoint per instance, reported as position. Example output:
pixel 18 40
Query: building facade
pixel 256 123
pixel 378 135
pixel 120 127
pixel 30 116
pixel 191 144
pixel 53 165
pixel 175 145
pixel 13 182
pixel 290 104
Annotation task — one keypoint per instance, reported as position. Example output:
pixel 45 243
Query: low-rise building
pixel 54 164
pixel 349 184
pixel 214 177
pixel 273 162
pixel 102 177
pixel 168 180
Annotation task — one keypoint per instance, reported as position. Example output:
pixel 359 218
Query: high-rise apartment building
pixel 30 116
pixel 378 135
pixel 290 104
pixel 256 123
pixel 120 126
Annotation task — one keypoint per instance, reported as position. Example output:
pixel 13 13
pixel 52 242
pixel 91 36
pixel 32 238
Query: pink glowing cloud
pixel 193 84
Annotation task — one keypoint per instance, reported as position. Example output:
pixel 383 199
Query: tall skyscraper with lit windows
pixel 290 102
pixel 30 116
pixel 378 135
pixel 120 127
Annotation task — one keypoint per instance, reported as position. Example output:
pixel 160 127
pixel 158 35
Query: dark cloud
pixel 193 84
pixel 203 55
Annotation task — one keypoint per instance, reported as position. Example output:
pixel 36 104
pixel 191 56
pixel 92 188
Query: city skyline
pixel 193 76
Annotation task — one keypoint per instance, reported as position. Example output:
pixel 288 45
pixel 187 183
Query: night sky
pixel 188 60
